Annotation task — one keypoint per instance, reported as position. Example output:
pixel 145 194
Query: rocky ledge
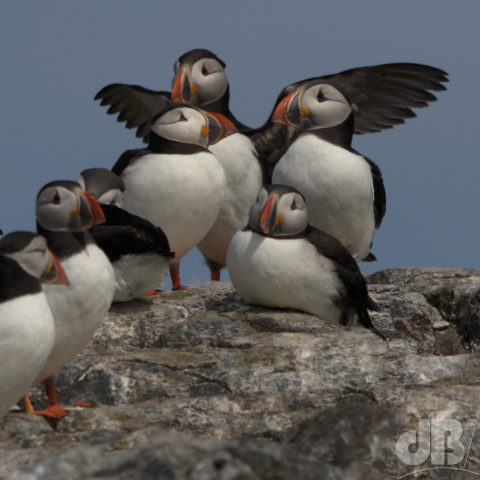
pixel 198 385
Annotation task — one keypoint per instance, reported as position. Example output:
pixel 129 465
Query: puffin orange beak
pixel 54 274
pixel 219 127
pixel 96 213
pixel 183 89
pixel 267 217
pixel 289 112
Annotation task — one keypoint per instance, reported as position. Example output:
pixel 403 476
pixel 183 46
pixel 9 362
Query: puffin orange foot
pixel 175 288
pixel 85 404
pixel 54 412
pixel 153 292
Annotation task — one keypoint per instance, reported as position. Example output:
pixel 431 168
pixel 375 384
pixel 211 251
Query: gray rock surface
pixel 199 385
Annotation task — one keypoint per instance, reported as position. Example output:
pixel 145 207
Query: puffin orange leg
pixel 27 404
pixel 175 276
pixel 215 274
pixel 51 392
pixel 54 411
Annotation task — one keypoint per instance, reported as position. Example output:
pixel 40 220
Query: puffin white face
pixel 63 206
pixel 183 124
pixel 188 124
pixel 199 84
pixel 293 212
pixel 318 106
pixel 326 105
pixel 278 211
pixel 35 258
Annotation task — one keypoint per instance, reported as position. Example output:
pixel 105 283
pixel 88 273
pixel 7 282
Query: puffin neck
pixel 301 234
pixel 65 244
pixel 221 105
pixel 340 135
pixel 160 144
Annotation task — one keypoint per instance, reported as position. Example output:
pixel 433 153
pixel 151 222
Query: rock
pixel 453 292
pixel 199 385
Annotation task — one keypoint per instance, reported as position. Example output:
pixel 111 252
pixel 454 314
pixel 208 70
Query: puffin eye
pixel 182 117
pixel 321 96
pixel 56 198
pixel 293 206
pixel 205 72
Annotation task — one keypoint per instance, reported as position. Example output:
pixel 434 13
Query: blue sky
pixel 57 54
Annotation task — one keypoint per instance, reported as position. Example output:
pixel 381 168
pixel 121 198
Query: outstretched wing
pixel 134 104
pixel 383 95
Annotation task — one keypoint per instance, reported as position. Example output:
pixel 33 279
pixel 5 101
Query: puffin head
pixel 311 104
pixel 63 206
pixel 103 185
pixel 199 79
pixel 189 124
pixel 279 211
pixel 31 253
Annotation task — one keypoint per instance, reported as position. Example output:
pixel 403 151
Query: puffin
pixel 27 329
pixel 382 96
pixel 176 182
pixel 279 260
pixel 64 214
pixel 139 251
pixel 344 189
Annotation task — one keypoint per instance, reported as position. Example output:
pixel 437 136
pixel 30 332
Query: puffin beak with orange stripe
pixel 54 273
pixel 90 212
pixel 268 216
pixel 183 89
pixel 219 127
pixel 290 110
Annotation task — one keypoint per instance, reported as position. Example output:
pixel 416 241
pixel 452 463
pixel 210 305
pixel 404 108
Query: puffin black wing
pixel 125 233
pixel 379 194
pixel 134 104
pixel 383 95
pixel 347 269
pixel 271 141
